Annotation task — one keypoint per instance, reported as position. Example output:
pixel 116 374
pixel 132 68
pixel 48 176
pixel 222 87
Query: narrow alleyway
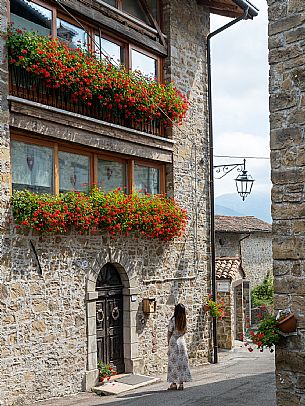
pixel 240 378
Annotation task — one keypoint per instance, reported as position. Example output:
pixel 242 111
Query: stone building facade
pixel 48 329
pixel 57 293
pixel 233 291
pixel 248 239
pixel 287 119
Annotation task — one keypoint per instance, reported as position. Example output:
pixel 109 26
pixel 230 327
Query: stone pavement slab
pixel 124 384
pixel 240 378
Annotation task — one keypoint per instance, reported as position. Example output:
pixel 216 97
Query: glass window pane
pixel 145 64
pixel 111 175
pixel 29 16
pixel 74 173
pixel 111 2
pixel 146 179
pixel 75 36
pixel 154 7
pixel 135 9
pixel 108 49
pixel 32 167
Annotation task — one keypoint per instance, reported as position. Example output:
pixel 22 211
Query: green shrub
pixel 262 295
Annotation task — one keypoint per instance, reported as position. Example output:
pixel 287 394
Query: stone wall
pixel 225 326
pixel 287 108
pixel 256 254
pixel 47 342
pixel 5 316
pixel 255 251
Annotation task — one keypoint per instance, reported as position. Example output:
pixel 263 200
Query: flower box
pixel 48 71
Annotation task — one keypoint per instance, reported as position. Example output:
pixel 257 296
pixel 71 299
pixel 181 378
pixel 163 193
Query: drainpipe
pixel 249 12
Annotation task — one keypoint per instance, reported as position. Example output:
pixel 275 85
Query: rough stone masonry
pixel 287 118
pixel 47 326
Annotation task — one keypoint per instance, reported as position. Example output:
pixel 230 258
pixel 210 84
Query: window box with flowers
pixel 49 71
pixel 153 216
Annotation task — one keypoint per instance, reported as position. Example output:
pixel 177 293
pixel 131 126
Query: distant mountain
pixel 257 204
pixel 225 211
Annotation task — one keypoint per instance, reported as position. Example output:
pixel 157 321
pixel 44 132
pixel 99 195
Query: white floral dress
pixel 178 370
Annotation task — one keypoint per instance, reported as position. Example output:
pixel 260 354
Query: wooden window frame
pixel 93 155
pixel 94 29
pixel 156 165
pixel 39 142
pixel 124 45
pixel 111 157
pixel 132 47
pixel 77 151
pixel 42 4
pixel 87 26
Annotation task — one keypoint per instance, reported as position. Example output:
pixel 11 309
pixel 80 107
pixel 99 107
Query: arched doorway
pixel 109 317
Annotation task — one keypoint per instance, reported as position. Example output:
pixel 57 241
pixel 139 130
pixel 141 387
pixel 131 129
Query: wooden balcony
pixel 31 87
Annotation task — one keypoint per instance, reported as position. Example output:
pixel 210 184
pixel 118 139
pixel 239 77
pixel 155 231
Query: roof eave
pixel 230 8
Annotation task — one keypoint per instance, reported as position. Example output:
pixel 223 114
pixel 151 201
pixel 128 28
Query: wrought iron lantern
pixel 244 183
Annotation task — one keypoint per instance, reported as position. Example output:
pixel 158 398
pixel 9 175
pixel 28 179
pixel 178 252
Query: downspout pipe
pixel 248 13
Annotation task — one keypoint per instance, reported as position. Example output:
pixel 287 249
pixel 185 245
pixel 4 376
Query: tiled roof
pixel 227 268
pixel 242 224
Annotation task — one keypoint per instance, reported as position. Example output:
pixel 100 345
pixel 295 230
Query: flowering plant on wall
pixel 95 81
pixel 269 329
pixel 215 308
pixel 265 335
pixel 155 216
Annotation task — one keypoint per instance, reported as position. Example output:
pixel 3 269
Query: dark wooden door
pixel 109 318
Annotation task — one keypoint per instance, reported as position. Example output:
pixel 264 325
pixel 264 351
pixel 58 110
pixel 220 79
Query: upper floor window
pixel 75 36
pixel 105 48
pixel 30 16
pixel 136 9
pixel 147 65
pixel 48 20
pixel 42 166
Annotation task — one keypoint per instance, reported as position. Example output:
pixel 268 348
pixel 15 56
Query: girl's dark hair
pixel 180 318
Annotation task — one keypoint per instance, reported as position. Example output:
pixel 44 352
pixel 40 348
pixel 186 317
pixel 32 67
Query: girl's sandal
pixel 180 387
pixel 172 387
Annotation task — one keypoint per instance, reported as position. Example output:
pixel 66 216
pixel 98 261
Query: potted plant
pixel 105 371
pixel 286 321
pixel 266 335
pixel 268 331
pixel 215 308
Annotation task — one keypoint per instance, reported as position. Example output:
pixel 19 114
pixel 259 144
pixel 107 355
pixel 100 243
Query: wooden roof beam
pixel 228 8
pixel 225 8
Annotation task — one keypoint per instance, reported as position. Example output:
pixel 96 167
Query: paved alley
pixel 240 378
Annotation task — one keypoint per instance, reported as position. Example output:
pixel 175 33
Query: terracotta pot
pixel 288 324
pixel 206 308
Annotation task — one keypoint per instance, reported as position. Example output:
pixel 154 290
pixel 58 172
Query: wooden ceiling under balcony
pixel 222 7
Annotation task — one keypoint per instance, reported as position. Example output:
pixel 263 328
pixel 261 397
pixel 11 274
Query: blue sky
pixel 240 97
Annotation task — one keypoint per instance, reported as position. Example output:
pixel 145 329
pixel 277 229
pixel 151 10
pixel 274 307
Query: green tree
pixel 262 295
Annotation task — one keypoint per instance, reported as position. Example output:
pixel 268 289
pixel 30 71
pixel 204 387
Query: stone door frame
pixel 133 364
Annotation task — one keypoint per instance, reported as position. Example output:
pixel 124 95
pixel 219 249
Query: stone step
pixel 123 383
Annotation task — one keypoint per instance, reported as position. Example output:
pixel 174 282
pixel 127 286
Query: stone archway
pixel 126 270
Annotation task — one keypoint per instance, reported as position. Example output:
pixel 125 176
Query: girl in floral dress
pixel 178 363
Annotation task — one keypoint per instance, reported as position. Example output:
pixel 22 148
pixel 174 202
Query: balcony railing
pixel 31 87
